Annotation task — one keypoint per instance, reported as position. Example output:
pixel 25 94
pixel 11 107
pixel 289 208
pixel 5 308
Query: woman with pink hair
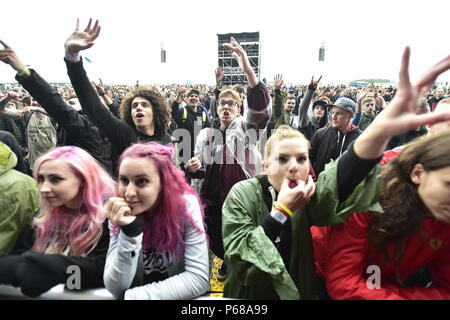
pixel 158 246
pixel 69 236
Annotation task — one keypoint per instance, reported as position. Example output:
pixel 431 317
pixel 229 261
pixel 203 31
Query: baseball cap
pixel 344 103
pixel 193 91
pixel 322 103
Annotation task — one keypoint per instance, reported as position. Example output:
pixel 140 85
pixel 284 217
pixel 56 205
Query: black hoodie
pixel 328 144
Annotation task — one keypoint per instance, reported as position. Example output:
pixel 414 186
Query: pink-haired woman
pixel 68 240
pixel 158 246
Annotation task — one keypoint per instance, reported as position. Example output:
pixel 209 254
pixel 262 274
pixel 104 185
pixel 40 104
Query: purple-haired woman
pixel 68 240
pixel 158 246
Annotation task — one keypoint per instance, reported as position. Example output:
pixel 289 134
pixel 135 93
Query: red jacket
pixel 343 255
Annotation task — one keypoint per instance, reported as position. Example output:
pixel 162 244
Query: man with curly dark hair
pixel 151 121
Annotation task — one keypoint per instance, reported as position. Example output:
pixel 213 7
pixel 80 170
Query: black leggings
pixel 213 220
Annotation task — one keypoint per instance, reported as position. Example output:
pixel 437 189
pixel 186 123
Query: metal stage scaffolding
pixel 231 70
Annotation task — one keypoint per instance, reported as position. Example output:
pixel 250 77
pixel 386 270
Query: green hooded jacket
pixel 255 267
pixel 19 200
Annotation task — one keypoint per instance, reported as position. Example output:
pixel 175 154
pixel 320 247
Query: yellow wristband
pixel 282 206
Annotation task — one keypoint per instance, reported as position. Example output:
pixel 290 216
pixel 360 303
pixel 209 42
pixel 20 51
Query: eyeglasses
pixel 230 104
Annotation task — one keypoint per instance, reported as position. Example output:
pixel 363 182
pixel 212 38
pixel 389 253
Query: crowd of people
pixel 298 189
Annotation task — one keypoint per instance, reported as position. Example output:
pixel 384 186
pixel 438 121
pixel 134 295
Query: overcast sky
pixel 363 39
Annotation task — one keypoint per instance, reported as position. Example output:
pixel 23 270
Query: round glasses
pixel 230 104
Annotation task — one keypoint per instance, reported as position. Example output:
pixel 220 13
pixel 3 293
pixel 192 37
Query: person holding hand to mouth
pixel 158 248
pixel 267 220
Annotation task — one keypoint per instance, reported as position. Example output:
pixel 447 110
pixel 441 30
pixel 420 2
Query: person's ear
pixel 416 173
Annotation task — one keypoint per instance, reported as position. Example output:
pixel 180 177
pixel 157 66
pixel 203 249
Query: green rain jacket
pixel 19 200
pixel 256 269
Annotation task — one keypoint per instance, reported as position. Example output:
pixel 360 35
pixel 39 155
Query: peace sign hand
pixel 400 116
pixel 314 83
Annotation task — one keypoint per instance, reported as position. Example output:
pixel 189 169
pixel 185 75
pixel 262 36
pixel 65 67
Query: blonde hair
pixel 283 132
pixel 233 93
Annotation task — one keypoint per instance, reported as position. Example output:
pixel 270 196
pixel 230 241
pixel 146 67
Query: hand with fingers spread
pixel 361 94
pixel 241 57
pixel 119 212
pixel 296 195
pixel 81 40
pixel 278 81
pixel 8 56
pixel 219 75
pixel 400 116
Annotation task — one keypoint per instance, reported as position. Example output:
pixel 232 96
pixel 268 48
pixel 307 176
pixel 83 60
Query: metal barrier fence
pixel 59 292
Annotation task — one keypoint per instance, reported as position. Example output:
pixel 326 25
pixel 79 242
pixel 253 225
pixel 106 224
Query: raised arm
pixel 106 99
pixel 356 170
pixel 241 57
pixel 114 129
pixel 258 100
pixel 219 78
pixel 46 95
pixel 303 118
pixel 7 112
pixel 278 99
pixel 400 117
pixel 175 112
pixel 359 98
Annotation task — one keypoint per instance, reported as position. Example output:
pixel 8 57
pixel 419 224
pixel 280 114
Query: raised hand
pixel 278 80
pixel 181 94
pixel 219 75
pixel 399 116
pixel 314 83
pixel 362 93
pixel 241 57
pixel 81 40
pixel 8 56
pixel 99 87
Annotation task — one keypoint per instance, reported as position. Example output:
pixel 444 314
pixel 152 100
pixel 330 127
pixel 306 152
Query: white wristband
pixel 72 58
pixel 281 218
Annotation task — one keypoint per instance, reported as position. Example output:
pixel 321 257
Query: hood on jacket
pixel 8 159
pixel 324 121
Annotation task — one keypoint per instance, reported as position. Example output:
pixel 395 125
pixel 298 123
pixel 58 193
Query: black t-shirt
pixel 212 192
pixel 155 268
